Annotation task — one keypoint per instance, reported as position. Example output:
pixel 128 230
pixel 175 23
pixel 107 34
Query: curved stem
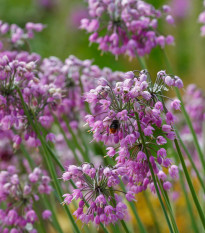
pixel 54 218
pixel 47 203
pixel 140 224
pixel 187 118
pixel 48 160
pixel 190 159
pixel 189 206
pixel 124 226
pixel 151 209
pixel 41 226
pixel 153 176
pixel 141 61
pixel 26 154
pixel 114 204
pixel 69 144
pixel 191 187
pixel 85 156
pixel 166 198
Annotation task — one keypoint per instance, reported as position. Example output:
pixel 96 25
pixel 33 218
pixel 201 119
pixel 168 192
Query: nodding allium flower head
pixel 100 201
pixel 17 36
pixel 117 125
pixel 116 121
pixel 39 98
pixel 201 20
pixel 74 77
pixel 19 192
pixel 53 86
pixel 128 27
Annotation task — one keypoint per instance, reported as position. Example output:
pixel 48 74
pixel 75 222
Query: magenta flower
pixel 18 36
pixel 99 201
pixel 117 127
pixel 46 214
pixel 126 27
pixel 19 192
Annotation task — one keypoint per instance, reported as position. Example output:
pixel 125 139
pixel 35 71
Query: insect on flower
pixel 115 125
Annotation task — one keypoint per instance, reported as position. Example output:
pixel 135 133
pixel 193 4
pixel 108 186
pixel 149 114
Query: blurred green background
pixel 62 36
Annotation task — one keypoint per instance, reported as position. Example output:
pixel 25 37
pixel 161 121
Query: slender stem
pixel 153 176
pixel 190 159
pixel 56 183
pixel 48 151
pixel 114 203
pixel 45 200
pixel 87 107
pixel 84 142
pixel 85 156
pixel 189 206
pixel 141 61
pixel 187 118
pixel 55 158
pixel 166 198
pixel 115 228
pixel 48 161
pixel 104 229
pixel 26 154
pixel 151 209
pixel 194 196
pixel 143 66
pixel 41 225
pixel 69 144
pixel 124 226
pixel 54 218
pixel 140 224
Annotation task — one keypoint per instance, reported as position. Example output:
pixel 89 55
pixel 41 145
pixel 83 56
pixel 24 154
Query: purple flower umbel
pixel 132 102
pixel 99 202
pixel 129 27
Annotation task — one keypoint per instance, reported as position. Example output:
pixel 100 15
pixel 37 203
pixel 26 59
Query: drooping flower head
pixel 12 36
pixel 100 201
pixel 133 102
pixel 19 192
pixel 128 27
pixel 74 77
pixel 17 75
pixel 118 106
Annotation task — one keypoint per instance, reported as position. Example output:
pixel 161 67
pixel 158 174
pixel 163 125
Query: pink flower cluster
pixel 117 125
pixel 17 36
pixel 134 94
pixel 99 201
pixel 18 193
pixel 125 110
pixel 74 77
pixel 19 73
pixel 126 27
pixel 47 86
